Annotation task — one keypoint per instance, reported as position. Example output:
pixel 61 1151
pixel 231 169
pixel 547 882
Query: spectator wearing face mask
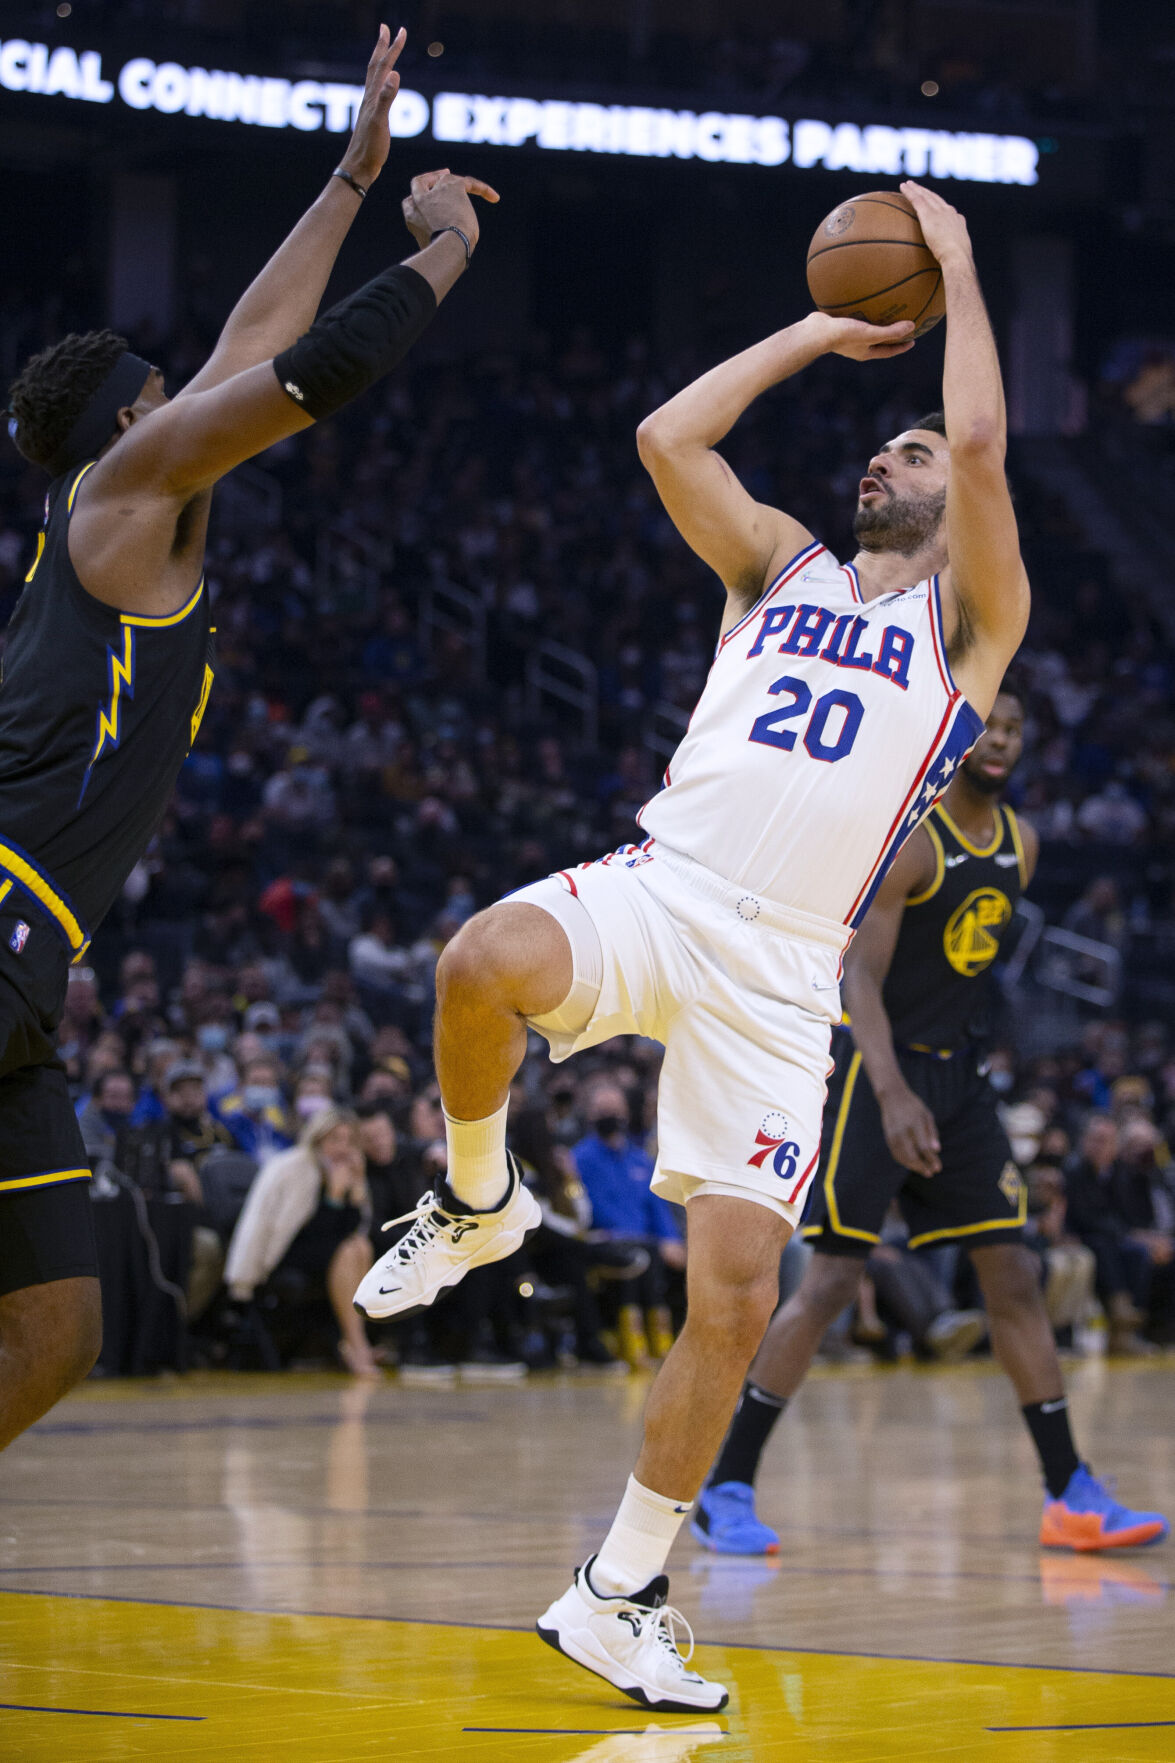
pixel 313 1092
pixel 256 1114
pixel 106 1114
pixel 616 1170
pixel 158 1056
pixel 213 1038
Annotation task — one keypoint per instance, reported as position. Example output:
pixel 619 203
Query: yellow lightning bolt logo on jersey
pixel 122 677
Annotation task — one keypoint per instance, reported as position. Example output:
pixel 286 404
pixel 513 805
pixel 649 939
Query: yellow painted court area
pixel 254 1568
pixel 241 1685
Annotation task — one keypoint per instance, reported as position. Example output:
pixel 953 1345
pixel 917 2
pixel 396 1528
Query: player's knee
pixel 1009 1275
pixel 736 1311
pixel 471 965
pixel 77 1338
pixel 830 1284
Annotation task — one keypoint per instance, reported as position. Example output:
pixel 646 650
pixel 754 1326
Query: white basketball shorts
pixel 742 993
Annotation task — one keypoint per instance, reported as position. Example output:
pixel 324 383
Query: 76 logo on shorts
pixel 773 1142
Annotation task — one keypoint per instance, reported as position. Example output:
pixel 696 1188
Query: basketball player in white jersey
pixel 841 701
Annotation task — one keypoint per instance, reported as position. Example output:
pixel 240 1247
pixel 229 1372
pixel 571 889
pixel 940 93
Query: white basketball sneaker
pixel 445 1242
pixel 631 1642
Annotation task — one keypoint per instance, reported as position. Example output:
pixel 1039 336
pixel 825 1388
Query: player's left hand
pixel 943 227
pixel 368 146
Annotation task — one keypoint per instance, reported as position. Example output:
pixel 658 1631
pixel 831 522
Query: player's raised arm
pixel 178 449
pixel 987 577
pixel 909 1127
pixel 739 538
pixel 282 301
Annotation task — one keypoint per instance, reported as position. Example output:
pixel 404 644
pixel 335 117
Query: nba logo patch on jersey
pixel 19 937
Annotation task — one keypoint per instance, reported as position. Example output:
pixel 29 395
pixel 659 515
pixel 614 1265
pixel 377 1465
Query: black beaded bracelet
pixel 349 180
pixel 454 229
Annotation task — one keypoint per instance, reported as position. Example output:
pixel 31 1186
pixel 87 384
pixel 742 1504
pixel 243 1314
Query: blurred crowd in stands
pixel 376 764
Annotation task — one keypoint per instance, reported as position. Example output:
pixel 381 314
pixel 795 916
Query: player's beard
pixel 980 780
pixel 905 524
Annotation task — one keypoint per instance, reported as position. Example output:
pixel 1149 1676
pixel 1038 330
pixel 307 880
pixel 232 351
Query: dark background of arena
pixel 458 638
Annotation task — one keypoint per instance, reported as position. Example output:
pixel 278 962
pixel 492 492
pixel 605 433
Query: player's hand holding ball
pixel 943 227
pixel 858 341
pixel 440 199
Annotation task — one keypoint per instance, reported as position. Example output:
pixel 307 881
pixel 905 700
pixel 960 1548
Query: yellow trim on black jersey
pixel 38 885
pixel 40 553
pixel 940 867
pixel 842 1121
pixel 43 1181
pixel 970 1230
pixel 975 850
pixel 142 618
pixel 76 482
pixel 1017 846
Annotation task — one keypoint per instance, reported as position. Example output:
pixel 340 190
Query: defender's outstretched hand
pixel 441 198
pixel 367 150
pixel 858 341
pixel 943 227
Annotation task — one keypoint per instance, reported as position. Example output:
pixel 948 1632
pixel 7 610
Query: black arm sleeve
pixel 356 342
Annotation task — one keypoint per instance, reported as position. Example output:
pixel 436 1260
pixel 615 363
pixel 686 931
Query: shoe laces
pixel 663 1626
pixel 428 1220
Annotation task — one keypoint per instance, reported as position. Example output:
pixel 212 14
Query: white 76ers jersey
pixel 827 729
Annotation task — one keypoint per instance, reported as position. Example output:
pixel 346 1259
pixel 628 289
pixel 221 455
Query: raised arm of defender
pixel 745 542
pixel 987 587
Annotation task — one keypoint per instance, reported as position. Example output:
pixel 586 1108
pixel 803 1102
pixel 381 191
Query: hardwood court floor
pixel 294 1568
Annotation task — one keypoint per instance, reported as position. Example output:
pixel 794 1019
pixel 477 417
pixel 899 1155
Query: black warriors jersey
pixel 939 990
pixel 98 711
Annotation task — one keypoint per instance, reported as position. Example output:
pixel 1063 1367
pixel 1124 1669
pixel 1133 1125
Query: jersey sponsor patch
pixel 971 940
pixel 19 937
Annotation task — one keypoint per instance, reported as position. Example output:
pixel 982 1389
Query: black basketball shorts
pixel 978 1197
pixel 46 1228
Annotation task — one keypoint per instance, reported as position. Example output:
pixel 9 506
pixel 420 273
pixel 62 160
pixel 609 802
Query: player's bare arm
pixel 137 535
pixel 908 1124
pixel 985 588
pixel 282 301
pixel 744 541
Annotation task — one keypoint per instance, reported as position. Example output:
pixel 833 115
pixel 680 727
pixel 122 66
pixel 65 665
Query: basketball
pixel 868 260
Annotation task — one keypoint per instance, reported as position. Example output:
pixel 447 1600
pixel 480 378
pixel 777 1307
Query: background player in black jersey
pixel 910 1115
pixel 109 661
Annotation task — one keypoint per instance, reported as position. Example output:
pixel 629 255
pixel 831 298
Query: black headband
pixel 99 420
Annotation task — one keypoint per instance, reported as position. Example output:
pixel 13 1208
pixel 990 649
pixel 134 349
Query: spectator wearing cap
pixel 164 1157
pixel 255 1113
pixel 107 1113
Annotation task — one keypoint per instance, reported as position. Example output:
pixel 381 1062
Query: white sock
pixel 638 1544
pixel 477 1159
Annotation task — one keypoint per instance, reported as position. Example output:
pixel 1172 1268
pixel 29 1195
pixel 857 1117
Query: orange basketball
pixel 868 260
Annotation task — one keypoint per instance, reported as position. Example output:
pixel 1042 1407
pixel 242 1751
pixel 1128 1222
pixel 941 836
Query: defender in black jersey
pixel 911 1116
pixel 110 660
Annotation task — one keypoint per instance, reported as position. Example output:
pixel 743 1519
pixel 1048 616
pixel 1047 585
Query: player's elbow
pixel 981 439
pixel 651 438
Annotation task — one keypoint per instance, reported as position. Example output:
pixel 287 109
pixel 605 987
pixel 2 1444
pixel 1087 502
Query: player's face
pixel 902 498
pixel 996 753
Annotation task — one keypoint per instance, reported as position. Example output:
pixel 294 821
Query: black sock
pixel 1048 1422
pixel 756 1414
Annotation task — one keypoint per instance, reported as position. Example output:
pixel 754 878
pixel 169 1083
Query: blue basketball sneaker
pixel 1088 1517
pixel 724 1520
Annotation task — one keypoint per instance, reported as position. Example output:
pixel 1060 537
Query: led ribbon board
pixel 549 124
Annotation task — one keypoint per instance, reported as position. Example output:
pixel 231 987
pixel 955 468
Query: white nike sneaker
pixel 631 1642
pixel 446 1241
